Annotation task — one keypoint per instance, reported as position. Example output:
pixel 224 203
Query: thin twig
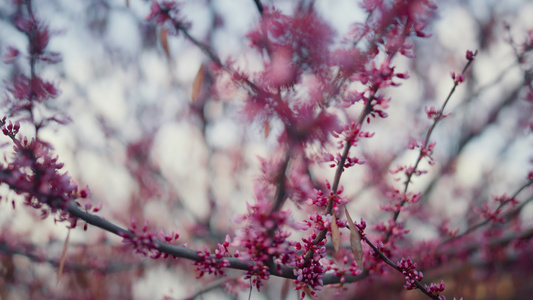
pixel 259 6
pixel 486 221
pixel 437 118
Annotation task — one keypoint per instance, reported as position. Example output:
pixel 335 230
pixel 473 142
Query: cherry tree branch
pixel 183 252
pixel 259 6
pixel 205 48
pixel 486 221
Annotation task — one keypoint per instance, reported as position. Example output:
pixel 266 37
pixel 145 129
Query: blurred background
pixel 147 150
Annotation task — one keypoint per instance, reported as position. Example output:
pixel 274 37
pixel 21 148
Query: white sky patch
pixel 122 31
pixel 108 98
pixel 341 15
pixel 187 65
pixel 156 283
pixel 153 67
pixel 224 134
pixel 109 184
pixel 182 157
pixel 76 58
pixel 456 27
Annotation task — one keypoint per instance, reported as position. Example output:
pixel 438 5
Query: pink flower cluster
pixel 320 222
pixel 436 288
pixel 395 230
pixel 146 242
pixel 39 38
pixel 349 266
pixel 426 149
pixel 25 91
pixel 337 201
pixel 264 241
pixel 34 173
pixel 400 199
pixel 213 264
pixel 304 37
pixel 309 272
pixel 434 114
pixel 408 268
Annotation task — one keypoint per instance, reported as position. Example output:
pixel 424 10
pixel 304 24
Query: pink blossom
pixel 167 14
pixel 11 55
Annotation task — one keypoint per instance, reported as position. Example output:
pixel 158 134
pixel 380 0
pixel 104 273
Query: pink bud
pixel 471 55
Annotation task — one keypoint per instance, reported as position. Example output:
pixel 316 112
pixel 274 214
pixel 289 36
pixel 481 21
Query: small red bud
pixel 471 55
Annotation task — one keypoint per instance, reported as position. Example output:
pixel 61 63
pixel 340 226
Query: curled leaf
pixel 335 234
pixel 197 84
pixel 63 258
pixel 355 240
pixel 267 128
pixel 164 42
pixel 285 288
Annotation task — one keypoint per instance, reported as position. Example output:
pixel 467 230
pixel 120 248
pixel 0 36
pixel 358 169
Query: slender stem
pixel 385 259
pixel 69 266
pixel 206 49
pixel 338 172
pixel 259 6
pixel 483 223
pixel 213 285
pixel 280 196
pixel 426 143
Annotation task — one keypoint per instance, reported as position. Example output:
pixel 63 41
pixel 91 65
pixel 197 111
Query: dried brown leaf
pixel 285 288
pixel 267 128
pixel 63 257
pixel 197 84
pixel 164 41
pixel 355 240
pixel 335 234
